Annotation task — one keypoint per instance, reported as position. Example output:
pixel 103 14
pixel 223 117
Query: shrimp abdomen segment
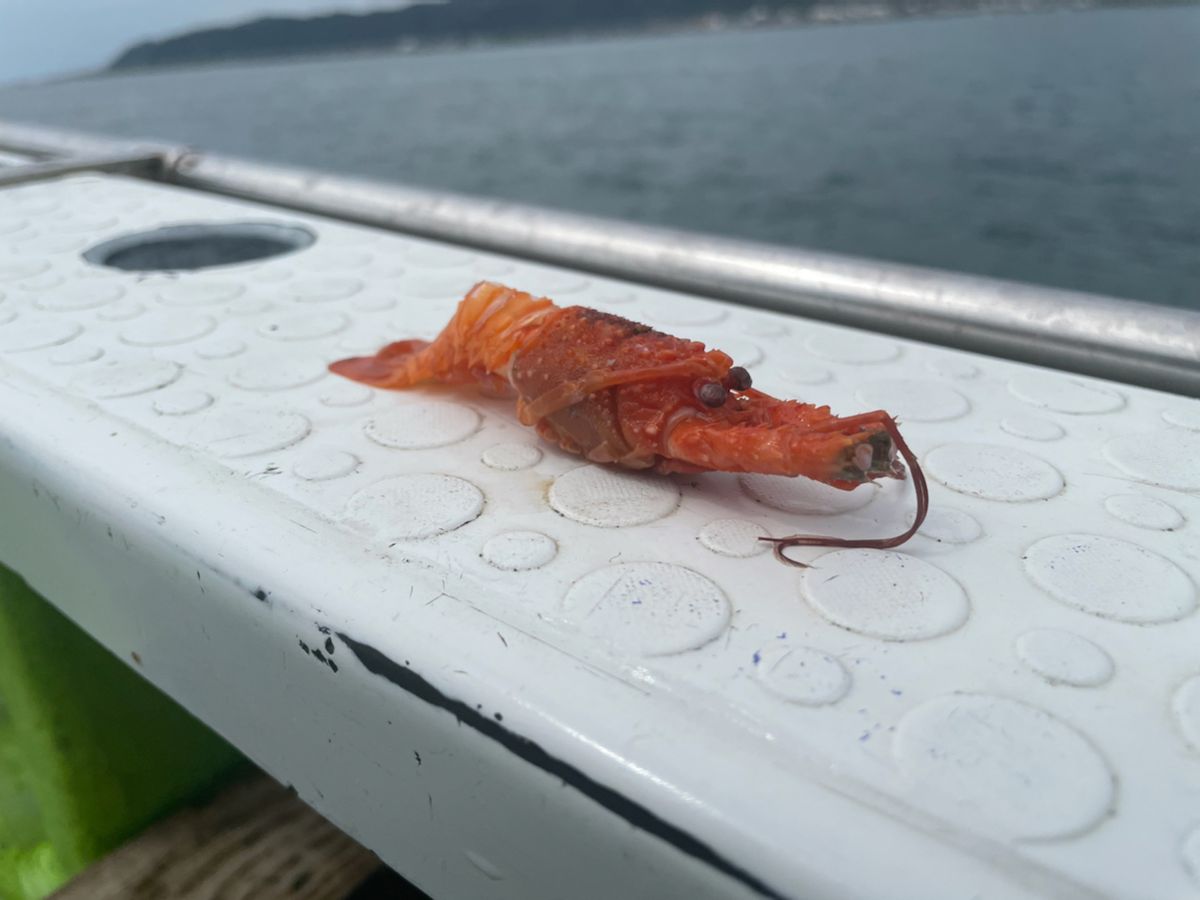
pixel 490 324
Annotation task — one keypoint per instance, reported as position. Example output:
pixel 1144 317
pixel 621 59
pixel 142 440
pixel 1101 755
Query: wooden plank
pixel 254 841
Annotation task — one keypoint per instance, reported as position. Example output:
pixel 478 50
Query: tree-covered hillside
pixel 429 23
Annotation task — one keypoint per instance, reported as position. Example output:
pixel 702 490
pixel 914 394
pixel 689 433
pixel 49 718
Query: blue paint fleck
pixel 757 657
pixel 636 602
pixel 864 737
pixel 782 635
pixel 896 693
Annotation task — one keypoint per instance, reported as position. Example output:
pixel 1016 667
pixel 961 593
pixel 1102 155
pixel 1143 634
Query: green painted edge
pixel 102 751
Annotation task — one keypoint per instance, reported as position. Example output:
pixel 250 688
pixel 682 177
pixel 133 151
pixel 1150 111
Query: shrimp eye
pixel 710 393
pixel 738 379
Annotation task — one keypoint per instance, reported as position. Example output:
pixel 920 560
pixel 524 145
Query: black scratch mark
pixel 629 810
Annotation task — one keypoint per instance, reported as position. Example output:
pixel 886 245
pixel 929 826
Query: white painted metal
pixel 516 676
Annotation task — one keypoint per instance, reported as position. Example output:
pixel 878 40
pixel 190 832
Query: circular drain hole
pixel 184 247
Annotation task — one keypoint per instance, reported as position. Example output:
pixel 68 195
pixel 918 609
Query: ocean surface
pixel 1061 149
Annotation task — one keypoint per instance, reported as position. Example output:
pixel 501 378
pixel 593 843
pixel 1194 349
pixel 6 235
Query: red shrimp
pixel 618 392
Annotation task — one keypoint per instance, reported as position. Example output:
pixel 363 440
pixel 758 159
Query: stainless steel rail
pixel 1133 342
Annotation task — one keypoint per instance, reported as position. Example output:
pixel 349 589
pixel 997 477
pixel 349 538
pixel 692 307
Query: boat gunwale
pixel 1124 340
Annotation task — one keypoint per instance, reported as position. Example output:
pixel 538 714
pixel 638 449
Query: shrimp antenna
pixel 919 485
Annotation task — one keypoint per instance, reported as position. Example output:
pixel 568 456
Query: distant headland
pixel 431 25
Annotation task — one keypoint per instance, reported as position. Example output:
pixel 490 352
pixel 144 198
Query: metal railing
pixel 1138 343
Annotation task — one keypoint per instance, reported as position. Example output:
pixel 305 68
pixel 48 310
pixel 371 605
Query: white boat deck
pixel 514 675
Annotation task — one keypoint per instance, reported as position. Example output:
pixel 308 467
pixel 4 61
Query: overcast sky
pixel 40 38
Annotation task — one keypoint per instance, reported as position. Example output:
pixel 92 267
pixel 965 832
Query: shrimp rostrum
pixel 618 392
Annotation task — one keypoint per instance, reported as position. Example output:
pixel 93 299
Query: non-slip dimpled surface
pixel 1023 675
